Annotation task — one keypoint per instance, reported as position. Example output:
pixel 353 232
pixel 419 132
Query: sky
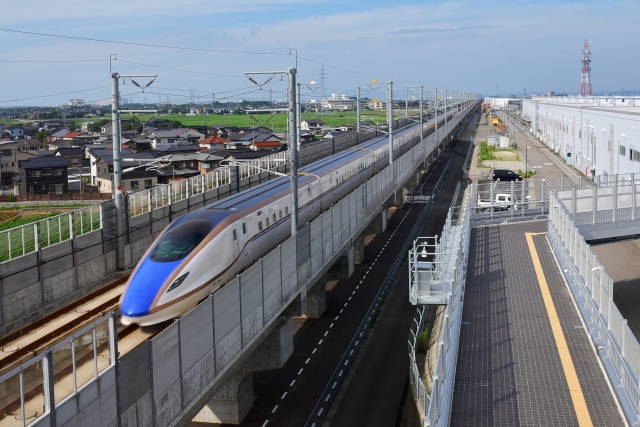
pixel 208 45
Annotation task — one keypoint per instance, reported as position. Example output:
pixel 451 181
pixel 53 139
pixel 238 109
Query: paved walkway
pixel 525 358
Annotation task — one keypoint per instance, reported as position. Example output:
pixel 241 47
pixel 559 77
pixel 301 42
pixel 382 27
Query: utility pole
pixel 117 163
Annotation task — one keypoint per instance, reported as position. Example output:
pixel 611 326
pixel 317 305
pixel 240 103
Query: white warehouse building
pixel 596 135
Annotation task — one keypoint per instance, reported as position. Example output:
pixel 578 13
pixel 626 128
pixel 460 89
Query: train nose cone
pixel 145 285
pixel 134 307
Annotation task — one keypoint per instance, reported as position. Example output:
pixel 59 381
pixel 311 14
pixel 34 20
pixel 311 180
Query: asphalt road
pixel 540 158
pixel 374 393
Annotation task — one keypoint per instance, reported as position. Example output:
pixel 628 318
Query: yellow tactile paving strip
pixel 577 396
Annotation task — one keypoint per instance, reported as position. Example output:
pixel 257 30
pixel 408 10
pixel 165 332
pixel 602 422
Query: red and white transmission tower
pixel 585 81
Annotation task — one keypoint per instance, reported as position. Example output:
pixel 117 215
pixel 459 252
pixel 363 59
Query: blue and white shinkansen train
pixel 202 250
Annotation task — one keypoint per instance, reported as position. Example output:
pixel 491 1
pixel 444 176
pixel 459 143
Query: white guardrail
pixel 162 195
pixel 435 404
pixel 592 287
pixel 30 391
pixel 25 239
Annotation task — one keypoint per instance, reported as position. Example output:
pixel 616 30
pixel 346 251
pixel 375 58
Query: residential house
pixel 174 149
pixel 307 137
pixel 242 153
pixel 53 126
pixel 45 153
pixel 140 144
pixel 173 136
pixel 185 165
pixel 213 142
pixel 74 156
pixel 30 131
pixel 14 132
pixel 12 153
pixel 80 138
pixel 335 133
pixel 312 125
pixel 137 179
pixel 57 134
pixel 256 139
pixel 44 175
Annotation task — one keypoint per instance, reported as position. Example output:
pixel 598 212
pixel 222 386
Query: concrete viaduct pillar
pixel 234 399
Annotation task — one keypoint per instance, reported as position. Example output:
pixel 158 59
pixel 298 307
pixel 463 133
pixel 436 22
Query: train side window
pixel 235 236
pixel 244 228
pixel 280 213
pixel 260 225
pixel 309 191
pixel 266 222
pixel 286 210
pixel 274 217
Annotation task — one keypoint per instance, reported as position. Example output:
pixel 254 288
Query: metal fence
pixel 606 201
pixel 593 289
pixel 25 239
pixel 455 239
pixel 420 392
pixel 31 391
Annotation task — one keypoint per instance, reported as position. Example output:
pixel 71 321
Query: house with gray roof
pixel 44 175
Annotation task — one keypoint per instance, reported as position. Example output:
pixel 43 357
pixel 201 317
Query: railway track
pixel 32 339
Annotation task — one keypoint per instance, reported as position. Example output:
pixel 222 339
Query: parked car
pixel 505 175
pixel 501 202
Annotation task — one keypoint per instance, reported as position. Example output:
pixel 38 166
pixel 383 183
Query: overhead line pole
pixel 292 138
pixel 390 123
pixel 293 149
pixel 117 163
pixel 358 112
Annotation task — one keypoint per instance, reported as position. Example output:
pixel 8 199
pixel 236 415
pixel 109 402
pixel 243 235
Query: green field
pixel 279 121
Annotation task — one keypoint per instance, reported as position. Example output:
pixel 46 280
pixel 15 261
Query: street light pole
pixel 526 161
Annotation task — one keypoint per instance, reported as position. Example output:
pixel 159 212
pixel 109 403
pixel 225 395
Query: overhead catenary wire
pixel 54 94
pixel 196 49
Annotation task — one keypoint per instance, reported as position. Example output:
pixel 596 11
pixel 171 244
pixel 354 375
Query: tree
pixel 42 137
pixel 72 126
pixel 176 124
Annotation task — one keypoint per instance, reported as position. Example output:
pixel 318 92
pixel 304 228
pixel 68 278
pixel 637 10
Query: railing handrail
pixel 583 278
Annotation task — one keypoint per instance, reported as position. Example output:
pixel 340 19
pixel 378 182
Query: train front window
pixel 181 240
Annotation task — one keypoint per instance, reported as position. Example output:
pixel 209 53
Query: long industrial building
pixel 596 135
